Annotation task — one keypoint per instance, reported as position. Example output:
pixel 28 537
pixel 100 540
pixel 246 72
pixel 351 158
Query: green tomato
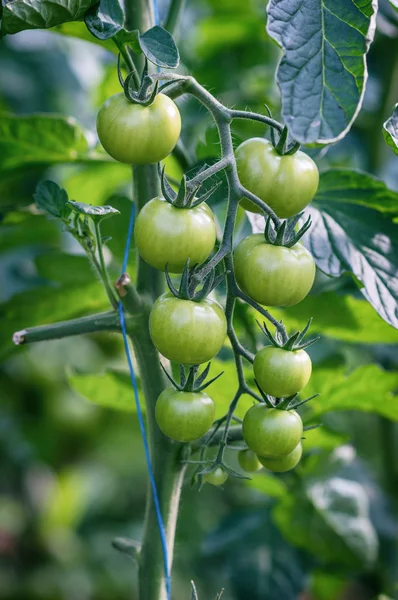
pixel 271 432
pixel 248 461
pixel 216 477
pixel 282 373
pixel 283 463
pixel 187 332
pixel 273 275
pixel 184 416
pixel 168 235
pixel 136 134
pixel 286 183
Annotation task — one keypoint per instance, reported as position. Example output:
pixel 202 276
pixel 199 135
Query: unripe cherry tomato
pixel 184 416
pixel 273 275
pixel 216 477
pixel 286 183
pixel 168 235
pixel 136 134
pixel 187 332
pixel 281 464
pixel 280 372
pixel 248 461
pixel 271 432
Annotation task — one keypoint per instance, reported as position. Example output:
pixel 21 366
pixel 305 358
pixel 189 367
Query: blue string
pixel 156 12
pixel 159 518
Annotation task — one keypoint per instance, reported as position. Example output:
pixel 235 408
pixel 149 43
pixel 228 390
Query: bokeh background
pixel 72 469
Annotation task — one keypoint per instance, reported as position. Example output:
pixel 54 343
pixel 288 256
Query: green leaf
pixel 394 4
pixel 36 14
pixel 24 229
pixel 69 269
pixel 40 140
pixel 356 187
pixel 322 74
pixel 341 531
pixel 105 19
pixel 97 213
pixel 346 237
pixel 367 389
pixel 341 317
pixel 390 129
pixel 97 181
pixel 111 389
pixel 51 198
pixel 267 484
pixel 159 47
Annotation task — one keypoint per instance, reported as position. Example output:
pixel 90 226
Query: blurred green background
pixel 72 471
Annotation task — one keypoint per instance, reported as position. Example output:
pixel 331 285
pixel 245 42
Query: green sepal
pixel 194 382
pixel 187 196
pixel 188 284
pixel 294 342
pixel 284 234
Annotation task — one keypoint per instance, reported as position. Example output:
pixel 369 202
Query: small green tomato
pixel 283 463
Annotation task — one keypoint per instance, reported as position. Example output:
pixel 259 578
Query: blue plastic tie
pixel 159 518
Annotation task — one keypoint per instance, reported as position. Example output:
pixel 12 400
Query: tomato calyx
pixel 193 382
pixel 285 234
pixel 188 284
pixel 288 403
pixel 283 145
pixel 187 196
pixel 294 342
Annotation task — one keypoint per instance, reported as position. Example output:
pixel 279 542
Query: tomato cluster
pixel 171 233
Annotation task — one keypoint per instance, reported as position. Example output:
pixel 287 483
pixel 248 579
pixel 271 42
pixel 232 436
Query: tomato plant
pixel 186 331
pixel 271 432
pixel 282 372
pixel 273 275
pixel 286 183
pixel 178 162
pixel 184 416
pixel 281 464
pixel 249 461
pixel 135 134
pixel 166 235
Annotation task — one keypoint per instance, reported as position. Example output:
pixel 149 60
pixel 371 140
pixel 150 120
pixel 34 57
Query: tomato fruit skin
pixel 187 332
pixel 216 477
pixel 168 235
pixel 280 372
pixel 248 461
pixel 286 183
pixel 283 463
pixel 273 275
pixel 271 432
pixel 136 134
pixel 184 416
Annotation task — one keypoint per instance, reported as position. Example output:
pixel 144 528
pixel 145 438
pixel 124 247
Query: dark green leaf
pixel 69 269
pixel 356 187
pixel 341 531
pixel 105 19
pixel 36 14
pixel 51 198
pixel 341 317
pixel 40 140
pixel 363 241
pixel 367 389
pixel 97 213
pixel 111 389
pixel 159 47
pixel 322 74
pixel 390 129
pixel 394 4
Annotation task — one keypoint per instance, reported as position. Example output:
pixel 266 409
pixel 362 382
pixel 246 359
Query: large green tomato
pixel 187 332
pixel 168 235
pixel 283 463
pixel 286 183
pixel 135 134
pixel 248 461
pixel 282 373
pixel 184 416
pixel 216 477
pixel 273 275
pixel 271 432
